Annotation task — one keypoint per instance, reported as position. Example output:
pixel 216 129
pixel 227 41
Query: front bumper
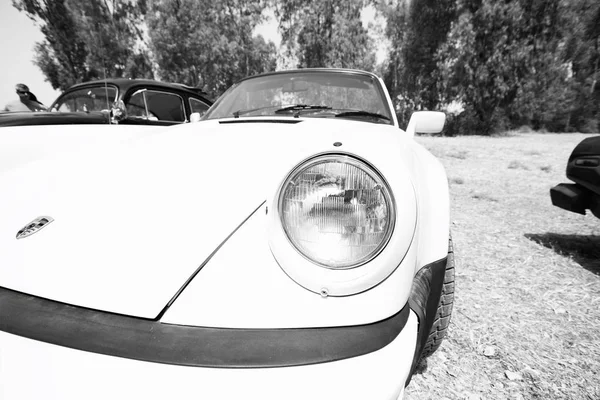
pixel 575 198
pixel 152 340
pixel 31 369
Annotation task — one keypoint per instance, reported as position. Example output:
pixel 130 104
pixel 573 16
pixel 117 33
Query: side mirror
pixel 426 122
pixel 195 117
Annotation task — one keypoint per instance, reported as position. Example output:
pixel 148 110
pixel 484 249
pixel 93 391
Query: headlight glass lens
pixel 337 211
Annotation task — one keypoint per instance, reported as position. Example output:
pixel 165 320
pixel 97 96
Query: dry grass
pixel 518 165
pixel 526 322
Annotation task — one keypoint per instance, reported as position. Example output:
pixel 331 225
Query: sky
pixel 18 35
pixel 17 38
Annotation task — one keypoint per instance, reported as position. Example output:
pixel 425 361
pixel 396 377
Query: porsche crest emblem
pixel 34 226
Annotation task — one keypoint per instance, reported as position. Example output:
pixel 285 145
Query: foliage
pixel 500 64
pixel 546 93
pixel 87 39
pixel 582 49
pixel 511 63
pixel 416 29
pixel 206 43
pixel 327 33
pixel 61 56
pixel 111 32
pixel 481 62
pixel 491 65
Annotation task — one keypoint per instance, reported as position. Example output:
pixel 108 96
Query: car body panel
pixel 179 229
pixel 153 253
pixel 584 164
pixel 432 195
pixel 69 374
pixel 212 347
pixel 25 145
pixel 263 296
pixel 145 255
pixel 53 118
pixel 583 168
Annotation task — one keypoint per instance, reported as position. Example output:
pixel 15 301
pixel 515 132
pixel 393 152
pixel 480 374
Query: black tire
pixel 440 325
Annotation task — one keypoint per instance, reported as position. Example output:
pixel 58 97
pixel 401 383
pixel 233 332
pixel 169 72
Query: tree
pixel 112 33
pixel 62 55
pixel 544 91
pixel 522 62
pixel 201 41
pixel 582 51
pixel 327 33
pixel 88 39
pixel 415 29
pixel 502 60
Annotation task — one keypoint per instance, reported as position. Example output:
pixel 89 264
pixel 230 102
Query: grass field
pixel 526 320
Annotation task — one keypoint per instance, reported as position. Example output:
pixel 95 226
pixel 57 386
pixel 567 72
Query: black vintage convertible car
pixel 583 168
pixel 126 101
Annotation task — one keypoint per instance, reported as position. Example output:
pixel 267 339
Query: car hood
pixel 20 145
pixel 135 220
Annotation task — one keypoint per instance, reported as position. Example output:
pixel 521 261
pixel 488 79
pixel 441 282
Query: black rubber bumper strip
pixel 142 339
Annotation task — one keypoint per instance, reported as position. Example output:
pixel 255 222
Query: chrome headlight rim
pixel 373 173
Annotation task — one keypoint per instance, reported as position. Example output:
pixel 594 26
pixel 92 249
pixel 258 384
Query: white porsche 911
pixel 294 244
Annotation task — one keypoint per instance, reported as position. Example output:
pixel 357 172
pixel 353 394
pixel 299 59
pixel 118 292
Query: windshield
pixel 315 94
pixel 89 99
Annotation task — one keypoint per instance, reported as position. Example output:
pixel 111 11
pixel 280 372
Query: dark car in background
pixel 123 101
pixel 583 168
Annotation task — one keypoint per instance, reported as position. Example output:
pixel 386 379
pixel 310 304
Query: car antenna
pixel 106 93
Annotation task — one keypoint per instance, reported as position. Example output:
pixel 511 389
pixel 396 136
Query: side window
pixel 96 98
pixel 161 106
pixel 197 106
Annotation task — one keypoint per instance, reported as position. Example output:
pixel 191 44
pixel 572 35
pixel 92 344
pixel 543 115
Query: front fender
pixel 433 199
pixel 242 286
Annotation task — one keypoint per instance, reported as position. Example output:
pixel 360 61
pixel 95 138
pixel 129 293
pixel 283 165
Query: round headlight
pixel 337 211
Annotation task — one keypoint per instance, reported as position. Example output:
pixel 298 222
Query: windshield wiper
pixel 236 114
pixel 301 107
pixel 295 107
pixel 362 113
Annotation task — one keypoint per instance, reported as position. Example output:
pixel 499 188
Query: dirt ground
pixel 526 320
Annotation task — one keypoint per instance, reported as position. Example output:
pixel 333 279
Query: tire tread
pixel 439 329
